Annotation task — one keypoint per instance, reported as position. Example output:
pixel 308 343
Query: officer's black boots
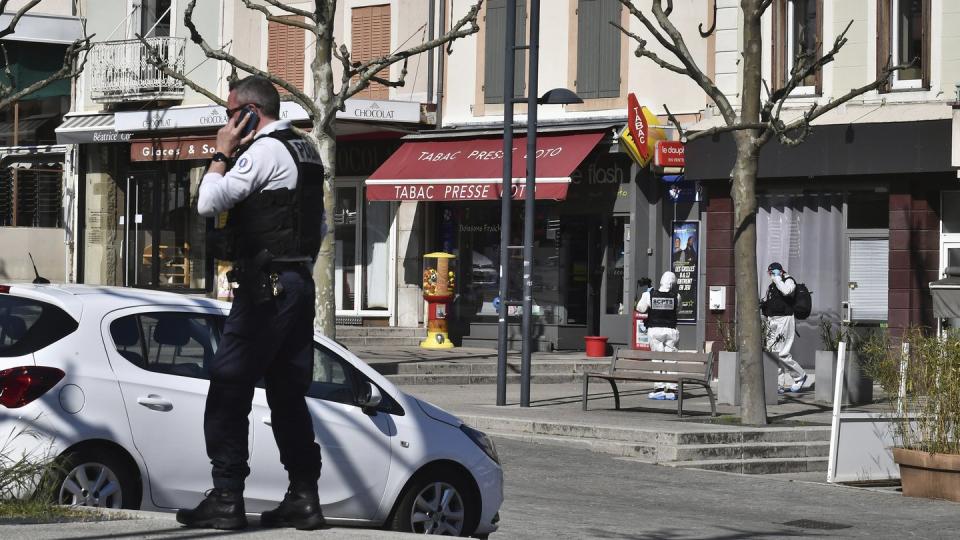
pixel 222 509
pixel 300 509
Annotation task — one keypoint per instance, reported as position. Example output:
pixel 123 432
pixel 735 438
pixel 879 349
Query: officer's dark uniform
pixel 273 235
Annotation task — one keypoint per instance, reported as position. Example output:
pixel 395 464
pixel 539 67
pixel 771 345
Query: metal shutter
pixel 370 38
pixel 494 26
pixel 869 259
pixel 285 51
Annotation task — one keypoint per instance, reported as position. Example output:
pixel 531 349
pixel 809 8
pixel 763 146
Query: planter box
pixel 934 476
pixel 728 384
pixel 858 388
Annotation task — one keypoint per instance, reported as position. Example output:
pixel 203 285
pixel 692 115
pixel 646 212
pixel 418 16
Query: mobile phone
pixel 251 124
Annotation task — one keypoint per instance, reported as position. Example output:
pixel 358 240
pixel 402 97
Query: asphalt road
pixel 554 492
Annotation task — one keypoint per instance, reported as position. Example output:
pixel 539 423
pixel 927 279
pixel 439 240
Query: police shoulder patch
pixel 244 164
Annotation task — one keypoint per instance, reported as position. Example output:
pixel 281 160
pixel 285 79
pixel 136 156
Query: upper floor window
pixel 598 49
pixel 797 33
pixel 155 18
pixel 903 29
pixel 370 38
pixel 495 24
pixel 285 51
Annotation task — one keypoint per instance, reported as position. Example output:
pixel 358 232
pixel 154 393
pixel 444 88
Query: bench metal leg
pixel 616 394
pixel 680 399
pixel 713 402
pixel 586 385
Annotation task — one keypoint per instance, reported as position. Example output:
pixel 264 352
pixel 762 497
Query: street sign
pixel 669 154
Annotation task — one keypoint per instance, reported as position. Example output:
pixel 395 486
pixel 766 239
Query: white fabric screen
pixel 868 269
pixel 377 250
pixel 804 233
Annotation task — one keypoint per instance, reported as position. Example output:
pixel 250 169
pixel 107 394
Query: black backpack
pixel 802 302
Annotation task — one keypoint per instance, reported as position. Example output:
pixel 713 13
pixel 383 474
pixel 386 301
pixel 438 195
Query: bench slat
pixel 663 355
pixel 665 377
pixel 624 364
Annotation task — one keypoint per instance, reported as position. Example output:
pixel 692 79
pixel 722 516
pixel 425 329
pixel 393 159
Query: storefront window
pixel 950 201
pixel 31 192
pixel 376 232
pixel 616 251
pixel 345 223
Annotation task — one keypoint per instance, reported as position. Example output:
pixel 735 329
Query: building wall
pixel 47 247
pixel 914 255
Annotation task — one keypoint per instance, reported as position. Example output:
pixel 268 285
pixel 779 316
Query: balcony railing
pixel 119 70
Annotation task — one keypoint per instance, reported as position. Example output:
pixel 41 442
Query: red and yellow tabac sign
pixel 639 138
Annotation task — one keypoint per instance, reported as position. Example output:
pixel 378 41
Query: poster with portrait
pixel 684 260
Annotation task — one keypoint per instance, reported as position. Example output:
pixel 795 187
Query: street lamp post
pixel 555 96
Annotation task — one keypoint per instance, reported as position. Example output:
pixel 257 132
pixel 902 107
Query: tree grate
pixel 818 525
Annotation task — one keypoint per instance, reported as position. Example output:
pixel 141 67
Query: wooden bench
pixel 630 365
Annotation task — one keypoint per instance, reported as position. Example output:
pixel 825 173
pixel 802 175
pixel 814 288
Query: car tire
pixel 98 478
pixel 437 503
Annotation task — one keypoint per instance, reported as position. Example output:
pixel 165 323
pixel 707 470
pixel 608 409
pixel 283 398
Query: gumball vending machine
pixel 438 286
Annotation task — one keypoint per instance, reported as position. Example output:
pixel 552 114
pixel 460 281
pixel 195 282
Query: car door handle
pixel 267 420
pixel 155 403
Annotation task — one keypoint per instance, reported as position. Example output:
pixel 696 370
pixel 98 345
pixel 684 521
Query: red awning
pixel 472 169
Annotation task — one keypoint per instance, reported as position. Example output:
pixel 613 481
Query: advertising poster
pixel 684 259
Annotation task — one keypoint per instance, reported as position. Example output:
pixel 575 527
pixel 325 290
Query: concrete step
pixel 753 451
pixel 757 466
pixel 487 368
pixel 380 331
pixel 379 341
pixel 481 378
pixel 719 452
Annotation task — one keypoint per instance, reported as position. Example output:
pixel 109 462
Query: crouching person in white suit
pixel 661 306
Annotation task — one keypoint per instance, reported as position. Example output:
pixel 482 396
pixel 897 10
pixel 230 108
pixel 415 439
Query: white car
pixel 114 380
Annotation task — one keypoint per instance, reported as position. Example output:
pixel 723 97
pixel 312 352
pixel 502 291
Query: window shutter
pixel 370 38
pixel 285 52
pixel 589 17
pixel 884 36
pixel 868 269
pixel 495 26
pixel 609 53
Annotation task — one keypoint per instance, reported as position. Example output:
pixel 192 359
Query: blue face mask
pixel 775 272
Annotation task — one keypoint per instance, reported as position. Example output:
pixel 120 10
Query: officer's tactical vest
pixel 663 310
pixel 776 304
pixel 288 223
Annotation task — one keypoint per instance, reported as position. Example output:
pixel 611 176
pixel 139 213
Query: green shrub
pixel 928 418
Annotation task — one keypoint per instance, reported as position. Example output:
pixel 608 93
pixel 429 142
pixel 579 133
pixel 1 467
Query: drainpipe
pixel 441 64
pixel 431 12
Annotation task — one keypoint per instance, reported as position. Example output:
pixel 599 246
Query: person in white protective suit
pixel 777 307
pixel 661 306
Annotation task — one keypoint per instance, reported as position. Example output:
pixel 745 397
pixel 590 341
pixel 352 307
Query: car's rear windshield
pixel 28 325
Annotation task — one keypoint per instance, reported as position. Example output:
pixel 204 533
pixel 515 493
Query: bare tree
pixel 326 100
pixel 73 60
pixel 756 124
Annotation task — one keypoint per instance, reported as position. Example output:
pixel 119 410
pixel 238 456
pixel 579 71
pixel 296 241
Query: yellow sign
pixel 640 143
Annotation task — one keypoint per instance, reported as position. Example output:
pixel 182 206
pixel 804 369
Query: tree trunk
pixel 753 408
pixel 323 273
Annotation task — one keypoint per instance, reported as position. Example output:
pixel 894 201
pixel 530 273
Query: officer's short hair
pixel 258 90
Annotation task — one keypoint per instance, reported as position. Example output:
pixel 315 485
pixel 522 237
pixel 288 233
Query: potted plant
pixel 858 386
pixel 728 370
pixel 926 427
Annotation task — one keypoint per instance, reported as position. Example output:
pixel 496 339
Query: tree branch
pixel 11 27
pixel 763 7
pixel 281 19
pixel 157 60
pixel 366 71
pixel 74 53
pixel 722 129
pixel 289 9
pixel 642 51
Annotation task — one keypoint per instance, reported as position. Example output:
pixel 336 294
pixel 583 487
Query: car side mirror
pixel 369 397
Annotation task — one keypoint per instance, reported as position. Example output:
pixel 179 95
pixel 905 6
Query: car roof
pixel 75 298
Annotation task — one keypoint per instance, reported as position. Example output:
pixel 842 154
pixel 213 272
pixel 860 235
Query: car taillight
pixel 21 385
pixel 5 289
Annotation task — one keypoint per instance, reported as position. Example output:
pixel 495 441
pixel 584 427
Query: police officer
pixel 777 307
pixel 661 306
pixel 274 194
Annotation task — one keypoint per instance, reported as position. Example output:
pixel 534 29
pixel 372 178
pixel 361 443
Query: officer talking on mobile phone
pixel 271 182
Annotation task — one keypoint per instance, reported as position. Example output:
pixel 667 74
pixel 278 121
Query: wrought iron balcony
pixel 119 71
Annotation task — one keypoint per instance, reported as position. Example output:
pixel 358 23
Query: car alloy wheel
pixel 438 509
pixel 91 484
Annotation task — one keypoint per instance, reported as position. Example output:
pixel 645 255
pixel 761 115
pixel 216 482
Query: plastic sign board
pixel 669 154
pixel 642 132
